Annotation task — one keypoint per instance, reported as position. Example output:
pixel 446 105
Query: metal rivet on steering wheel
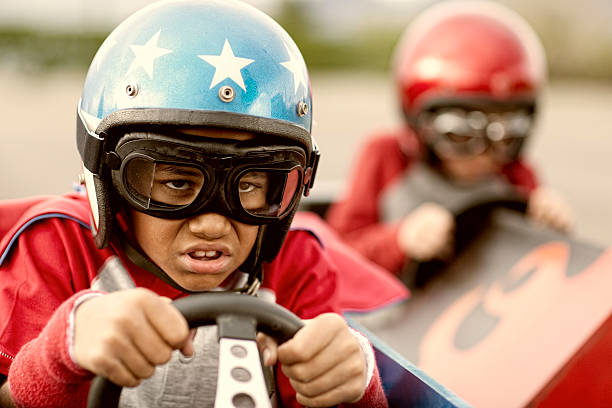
pixel 239 318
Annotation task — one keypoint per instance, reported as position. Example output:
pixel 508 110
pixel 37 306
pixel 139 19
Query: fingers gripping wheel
pixel 470 221
pixel 238 318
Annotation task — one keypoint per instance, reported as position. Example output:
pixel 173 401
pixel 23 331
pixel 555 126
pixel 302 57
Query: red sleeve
pixel 356 215
pixel 43 373
pixel 521 175
pixel 303 277
pixel 37 276
pixel 374 396
pixel 305 282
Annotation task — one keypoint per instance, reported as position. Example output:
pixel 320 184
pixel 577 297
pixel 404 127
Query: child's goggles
pixel 169 178
pixel 458 132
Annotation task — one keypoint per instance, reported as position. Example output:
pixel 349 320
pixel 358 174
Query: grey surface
pixel 486 261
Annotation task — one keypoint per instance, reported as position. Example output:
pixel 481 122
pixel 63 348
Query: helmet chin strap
pixel 252 266
pixel 102 235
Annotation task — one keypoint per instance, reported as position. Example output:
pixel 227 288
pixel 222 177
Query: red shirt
pixel 56 258
pixel 382 160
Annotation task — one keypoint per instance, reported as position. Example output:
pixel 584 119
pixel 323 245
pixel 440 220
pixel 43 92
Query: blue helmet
pixel 211 63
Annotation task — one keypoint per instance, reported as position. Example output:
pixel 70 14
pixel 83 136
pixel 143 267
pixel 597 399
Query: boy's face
pixel 474 144
pixel 200 252
pixel 471 169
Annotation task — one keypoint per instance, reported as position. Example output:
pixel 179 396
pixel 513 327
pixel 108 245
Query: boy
pixel 468 75
pixel 194 132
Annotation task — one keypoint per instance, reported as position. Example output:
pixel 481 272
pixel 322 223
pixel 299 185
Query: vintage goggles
pixel 458 132
pixel 168 177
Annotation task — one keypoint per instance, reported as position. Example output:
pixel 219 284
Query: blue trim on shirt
pixel 13 240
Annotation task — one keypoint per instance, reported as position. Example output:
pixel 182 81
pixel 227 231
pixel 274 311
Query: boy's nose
pixel 209 225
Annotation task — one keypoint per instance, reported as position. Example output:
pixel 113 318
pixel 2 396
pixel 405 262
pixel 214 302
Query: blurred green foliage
pixel 573 49
pixel 36 52
pixel 568 54
pixel 369 50
pixel 366 51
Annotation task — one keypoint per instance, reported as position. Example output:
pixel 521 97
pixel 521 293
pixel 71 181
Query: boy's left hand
pixel 548 208
pixel 324 361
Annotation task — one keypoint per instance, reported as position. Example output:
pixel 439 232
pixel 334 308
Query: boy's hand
pixel 124 335
pixel 427 233
pixel 324 362
pixel 548 208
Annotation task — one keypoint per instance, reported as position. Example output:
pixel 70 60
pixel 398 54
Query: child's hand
pixel 427 233
pixel 124 335
pixel 548 208
pixel 324 362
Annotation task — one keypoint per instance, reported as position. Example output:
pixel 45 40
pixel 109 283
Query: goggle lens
pixel 167 187
pixel 456 132
pixel 268 193
pixel 156 184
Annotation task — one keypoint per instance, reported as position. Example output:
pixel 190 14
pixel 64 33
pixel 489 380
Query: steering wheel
pixel 239 318
pixel 470 221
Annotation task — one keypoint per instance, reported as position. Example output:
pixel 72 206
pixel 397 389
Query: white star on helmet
pixel 227 65
pixel 147 54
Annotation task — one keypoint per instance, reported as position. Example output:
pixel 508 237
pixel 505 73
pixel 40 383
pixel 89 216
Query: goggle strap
pixel 311 171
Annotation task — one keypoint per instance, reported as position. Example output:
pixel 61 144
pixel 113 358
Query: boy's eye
pixel 253 190
pixel 177 184
pixel 252 181
pixel 245 187
pixel 175 192
pixel 457 138
pixel 509 141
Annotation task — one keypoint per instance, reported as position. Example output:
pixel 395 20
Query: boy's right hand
pixel 427 233
pixel 124 335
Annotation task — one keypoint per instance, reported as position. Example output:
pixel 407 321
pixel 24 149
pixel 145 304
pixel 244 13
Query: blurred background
pixel 46 47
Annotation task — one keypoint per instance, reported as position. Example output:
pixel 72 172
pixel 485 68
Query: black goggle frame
pixel 492 123
pixel 222 162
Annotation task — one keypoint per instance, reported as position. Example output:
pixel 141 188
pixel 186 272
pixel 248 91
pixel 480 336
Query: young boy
pixel 468 75
pixel 194 131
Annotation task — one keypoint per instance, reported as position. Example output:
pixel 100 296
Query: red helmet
pixel 457 53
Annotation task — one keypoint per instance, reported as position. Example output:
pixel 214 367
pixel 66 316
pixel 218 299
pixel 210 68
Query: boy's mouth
pixel 205 255
pixel 207 258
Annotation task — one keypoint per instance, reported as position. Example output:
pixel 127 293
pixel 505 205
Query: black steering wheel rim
pixel 203 310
